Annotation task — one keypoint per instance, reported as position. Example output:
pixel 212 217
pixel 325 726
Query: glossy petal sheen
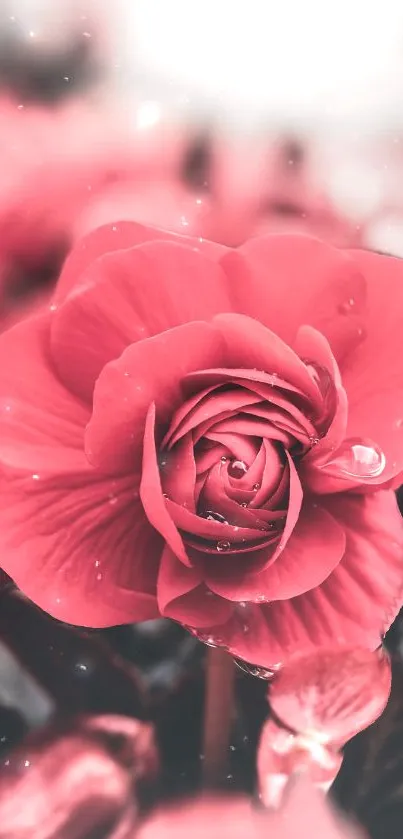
pixel 118 237
pixel 334 693
pixel 355 604
pixel 127 296
pixel 65 532
pixel 149 371
pixel 270 280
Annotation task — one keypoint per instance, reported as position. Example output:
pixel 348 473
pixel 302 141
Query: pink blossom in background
pixel 319 701
pixel 305 813
pixel 77 780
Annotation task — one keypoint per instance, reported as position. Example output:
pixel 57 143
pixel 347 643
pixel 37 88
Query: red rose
pixel 211 435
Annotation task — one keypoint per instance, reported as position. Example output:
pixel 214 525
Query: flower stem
pixel 218 715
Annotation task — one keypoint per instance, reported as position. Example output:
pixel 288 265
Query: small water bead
pixel 359 459
pixel 211 515
pixel 256 487
pixel 264 673
pixel 206 638
pixel 347 307
pixel 237 469
pixel 223 459
pixel 244 504
pixel 223 546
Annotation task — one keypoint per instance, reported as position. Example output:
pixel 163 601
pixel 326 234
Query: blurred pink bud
pixel 282 753
pixel 77 783
pixel 306 814
pixel 332 694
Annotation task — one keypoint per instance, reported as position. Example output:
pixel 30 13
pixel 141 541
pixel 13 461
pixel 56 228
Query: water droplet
pixel 53 307
pixel 97 563
pixel 243 504
pixel 27 763
pixel 261 598
pixel 314 441
pixel 265 673
pixel 223 546
pixel 211 515
pixel 208 640
pixel 256 487
pixel 347 307
pixel 359 459
pixel 237 469
pixel 112 499
pixel 35 477
pixel 223 459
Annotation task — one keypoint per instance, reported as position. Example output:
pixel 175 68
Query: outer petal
pixel 41 423
pixel 313 550
pixel 355 605
pixel 79 547
pixel 183 597
pixel 127 296
pixel 117 237
pixel 72 541
pixel 290 280
pixel 149 371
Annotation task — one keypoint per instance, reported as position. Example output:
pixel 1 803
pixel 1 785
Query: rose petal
pixel 183 597
pixel 249 344
pixel 313 550
pixel 74 542
pixel 286 281
pixel 127 296
pixel 215 405
pixel 178 473
pixel 333 693
pixel 146 372
pixel 355 605
pixel 41 423
pixel 151 493
pixel 373 375
pixel 213 531
pixel 119 236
